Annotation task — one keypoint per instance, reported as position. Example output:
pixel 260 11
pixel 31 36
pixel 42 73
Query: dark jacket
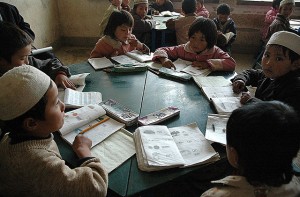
pixel 10 13
pixel 285 88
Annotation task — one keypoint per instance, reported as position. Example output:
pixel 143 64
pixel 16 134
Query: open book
pixel 159 147
pixel 185 66
pixel 133 57
pixel 115 149
pixel 100 63
pixel 83 118
pixel 75 99
pixel 216 128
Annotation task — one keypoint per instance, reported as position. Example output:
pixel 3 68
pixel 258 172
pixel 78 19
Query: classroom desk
pixel 145 92
pixel 160 29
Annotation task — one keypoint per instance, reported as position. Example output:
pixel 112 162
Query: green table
pixel 145 92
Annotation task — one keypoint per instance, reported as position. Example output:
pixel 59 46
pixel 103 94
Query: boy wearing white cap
pixel 142 24
pixel 279 78
pixel 281 22
pixel 31 164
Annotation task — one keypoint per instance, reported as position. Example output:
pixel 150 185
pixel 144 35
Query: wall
pixel 76 22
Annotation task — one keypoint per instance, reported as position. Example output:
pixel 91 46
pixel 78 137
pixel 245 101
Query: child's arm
pixel 220 61
pixel 170 24
pixel 82 146
pixel 55 70
pixel 143 25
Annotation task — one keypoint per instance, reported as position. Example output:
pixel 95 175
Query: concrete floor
pixel 73 55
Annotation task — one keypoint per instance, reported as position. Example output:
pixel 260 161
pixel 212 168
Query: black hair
pixel 12 39
pixel 201 1
pixel 266 137
pixel 276 3
pixel 293 56
pixel 189 6
pixel 223 9
pixel 207 27
pixel 118 18
pixel 36 112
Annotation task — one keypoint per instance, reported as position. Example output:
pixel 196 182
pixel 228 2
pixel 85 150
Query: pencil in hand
pixel 93 126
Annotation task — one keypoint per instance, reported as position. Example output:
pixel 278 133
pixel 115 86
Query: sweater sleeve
pixel 250 77
pixel 221 61
pixel 52 67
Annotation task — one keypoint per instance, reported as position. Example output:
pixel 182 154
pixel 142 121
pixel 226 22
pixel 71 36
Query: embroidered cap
pixel 140 1
pixel 286 2
pixel 20 89
pixel 286 39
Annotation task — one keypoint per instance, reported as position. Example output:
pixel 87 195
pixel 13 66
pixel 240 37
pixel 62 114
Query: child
pixel 226 28
pixel 269 18
pixel 15 50
pixel 162 5
pixel 115 6
pixel 281 22
pixel 117 39
pixel 262 140
pixel 201 10
pixel 200 49
pixel 125 5
pixel 142 24
pixel 30 159
pixel 279 78
pixel 182 24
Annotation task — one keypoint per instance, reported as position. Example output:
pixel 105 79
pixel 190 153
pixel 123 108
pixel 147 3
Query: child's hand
pixel 167 63
pixel 245 97
pixel 64 82
pixel 200 65
pixel 82 146
pixel 238 86
pixel 133 42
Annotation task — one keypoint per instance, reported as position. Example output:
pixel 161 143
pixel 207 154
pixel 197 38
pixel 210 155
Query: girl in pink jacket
pixel 118 39
pixel 200 49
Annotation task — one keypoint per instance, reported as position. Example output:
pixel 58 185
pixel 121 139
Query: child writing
pixel 182 24
pixel 201 10
pixel 281 22
pixel 115 6
pixel 226 28
pixel 142 24
pixel 15 50
pixel 118 39
pixel 279 78
pixel 262 140
pixel 200 49
pixel 30 159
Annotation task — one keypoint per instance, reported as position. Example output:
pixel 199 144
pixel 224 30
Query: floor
pixel 73 55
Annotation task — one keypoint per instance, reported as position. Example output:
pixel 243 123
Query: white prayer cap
pixel 135 2
pixel 286 2
pixel 20 89
pixel 287 39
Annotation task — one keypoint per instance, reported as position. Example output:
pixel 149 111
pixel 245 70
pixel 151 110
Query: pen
pixel 93 126
pixel 213 127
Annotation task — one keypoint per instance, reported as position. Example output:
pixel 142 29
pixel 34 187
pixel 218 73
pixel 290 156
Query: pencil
pixel 93 126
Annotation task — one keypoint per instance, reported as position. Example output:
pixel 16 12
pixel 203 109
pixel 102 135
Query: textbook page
pixel 140 56
pixel 225 105
pixel 158 147
pixel 74 98
pixel 81 116
pixel 185 66
pixel 211 81
pixel 216 92
pixel 98 133
pixel 115 149
pixel 79 82
pixel 216 128
pixel 100 63
pixel 124 59
pixel 193 146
